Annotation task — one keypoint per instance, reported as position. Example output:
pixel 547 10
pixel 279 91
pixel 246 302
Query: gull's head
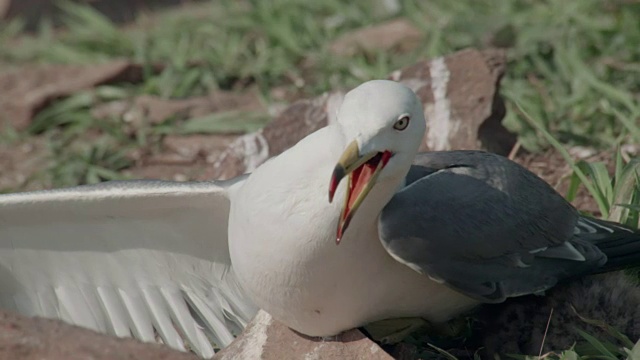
pixel 383 123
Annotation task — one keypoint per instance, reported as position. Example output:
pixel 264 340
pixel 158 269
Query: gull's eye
pixel 402 123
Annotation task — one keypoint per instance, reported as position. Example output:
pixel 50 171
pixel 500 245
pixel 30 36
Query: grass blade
pixel 602 206
pixel 225 122
pixel 597 344
pixel 443 352
pixel 599 175
pixel 634 353
pixel 606 327
pixel 629 123
pixel 625 189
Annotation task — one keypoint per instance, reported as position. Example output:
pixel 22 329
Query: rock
pixel 20 161
pixel 32 12
pixel 300 119
pixel 463 107
pixel 4 8
pixel 43 339
pixel 461 101
pixel 182 158
pixel 267 339
pixel 154 109
pixel 395 35
pixel 26 90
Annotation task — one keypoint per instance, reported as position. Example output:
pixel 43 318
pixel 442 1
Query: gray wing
pixel 133 258
pixel 484 226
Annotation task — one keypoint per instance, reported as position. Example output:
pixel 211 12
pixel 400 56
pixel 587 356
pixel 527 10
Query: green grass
pixel 572 65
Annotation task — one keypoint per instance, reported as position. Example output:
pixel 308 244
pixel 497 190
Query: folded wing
pixel 485 226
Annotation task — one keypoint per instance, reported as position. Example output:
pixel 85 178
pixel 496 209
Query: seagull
pixel 429 235
pixel 349 226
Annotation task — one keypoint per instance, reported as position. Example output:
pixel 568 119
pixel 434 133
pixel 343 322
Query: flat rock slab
pixel 26 90
pixel 43 339
pixel 462 104
pixel 267 339
pixel 397 35
pixel 34 11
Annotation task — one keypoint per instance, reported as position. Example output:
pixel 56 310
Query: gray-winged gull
pixel 428 235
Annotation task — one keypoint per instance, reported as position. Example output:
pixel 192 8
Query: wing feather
pixel 210 320
pixel 126 258
pixel 139 319
pixel 114 310
pixel 161 318
pixel 485 226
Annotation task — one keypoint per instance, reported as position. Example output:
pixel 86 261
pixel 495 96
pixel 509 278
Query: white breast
pixel 282 245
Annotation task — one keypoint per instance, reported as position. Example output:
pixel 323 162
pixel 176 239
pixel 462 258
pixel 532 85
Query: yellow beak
pixel 363 171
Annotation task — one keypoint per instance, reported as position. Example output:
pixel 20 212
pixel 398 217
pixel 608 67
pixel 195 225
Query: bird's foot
pixel 392 331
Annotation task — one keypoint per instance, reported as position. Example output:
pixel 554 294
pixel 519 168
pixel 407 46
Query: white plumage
pixel 282 226
pixel 134 258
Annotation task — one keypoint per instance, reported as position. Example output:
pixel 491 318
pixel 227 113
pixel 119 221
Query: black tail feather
pixel 619 243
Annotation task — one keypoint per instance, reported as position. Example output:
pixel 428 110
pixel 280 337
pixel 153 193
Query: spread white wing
pixel 147 259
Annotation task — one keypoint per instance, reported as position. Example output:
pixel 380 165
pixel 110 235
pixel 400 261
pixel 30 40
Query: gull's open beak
pixel 363 171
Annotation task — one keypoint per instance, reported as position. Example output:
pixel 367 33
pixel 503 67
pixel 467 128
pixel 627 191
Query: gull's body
pixel 295 270
pixel 428 235
pixel 470 221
